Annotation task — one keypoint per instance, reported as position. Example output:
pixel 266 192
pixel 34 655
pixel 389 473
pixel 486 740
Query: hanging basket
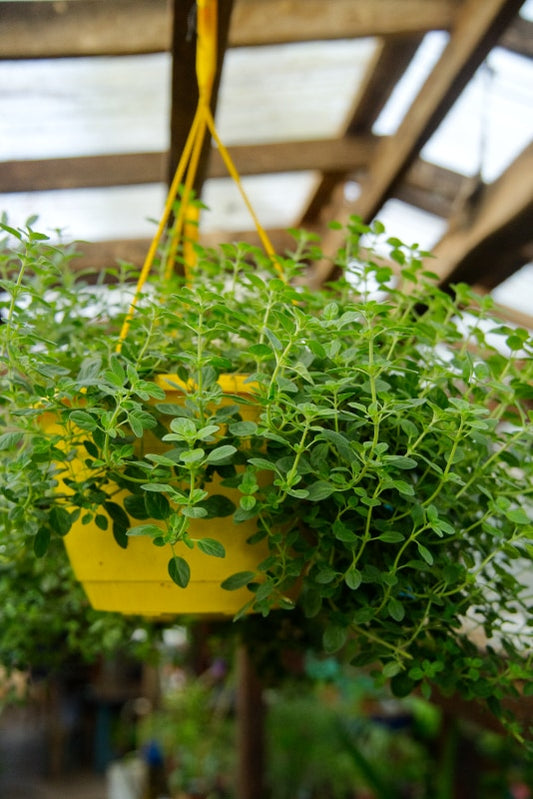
pixel 135 580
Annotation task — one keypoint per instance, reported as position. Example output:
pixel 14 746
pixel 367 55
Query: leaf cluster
pixel 384 447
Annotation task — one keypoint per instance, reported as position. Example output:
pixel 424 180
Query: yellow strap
pixel 186 224
pixel 206 47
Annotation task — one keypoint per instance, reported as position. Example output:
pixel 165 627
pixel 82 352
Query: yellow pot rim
pixel 229 383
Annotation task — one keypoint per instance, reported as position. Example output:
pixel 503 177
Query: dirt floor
pixel 74 787
pixel 25 763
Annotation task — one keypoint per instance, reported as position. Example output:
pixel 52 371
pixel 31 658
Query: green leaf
pixel 396 610
pixel 194 512
pixel 221 453
pixel 157 505
pixel 101 521
pixel 402 685
pixel 179 571
pixel 400 461
pixel 247 503
pixel 211 547
pixel 391 669
pixel 243 429
pixel 117 513
pixel 425 553
pixel 207 432
pixel 41 542
pixel 320 490
pixel 157 487
pixel 274 340
pixel 260 351
pixel 135 506
pixel 151 530
pixel 83 420
pixel 192 456
pixel 120 534
pixel 183 427
pixel 343 533
pixel 237 580
pixel 261 463
pixel 518 516
pixel 341 444
pixel 391 537
pixel 334 638
pixel 60 520
pixel 353 578
pixel 217 506
pixel 311 602
pixel 10 440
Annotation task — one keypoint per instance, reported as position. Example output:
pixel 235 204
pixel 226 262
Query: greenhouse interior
pixel 266 416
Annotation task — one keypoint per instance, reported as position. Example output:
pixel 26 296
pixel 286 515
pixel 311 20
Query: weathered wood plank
pixel 479 25
pixel 96 256
pixel 490 229
pixel 335 155
pixel 518 38
pixel 259 22
pixel 125 27
pixel 136 168
pixel 128 27
pixel 430 187
pixel 83 28
pixel 123 169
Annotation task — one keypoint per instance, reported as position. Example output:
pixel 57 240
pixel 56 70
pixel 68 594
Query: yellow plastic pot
pixel 135 580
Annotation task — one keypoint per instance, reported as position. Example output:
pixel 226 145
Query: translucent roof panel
pixel 411 225
pixel 291 91
pixel 490 123
pixel 276 199
pixel 84 106
pixel 517 290
pixel 406 89
pixel 89 214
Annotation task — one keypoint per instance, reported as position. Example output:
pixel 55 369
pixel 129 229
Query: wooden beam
pixel 430 187
pixel 123 169
pixel 387 65
pixel 259 22
pixel 518 38
pixel 333 155
pixel 97 256
pixel 124 27
pixel 479 25
pixel 495 222
pixel 83 28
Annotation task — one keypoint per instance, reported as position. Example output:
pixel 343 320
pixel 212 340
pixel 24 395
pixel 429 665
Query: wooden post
pixel 250 729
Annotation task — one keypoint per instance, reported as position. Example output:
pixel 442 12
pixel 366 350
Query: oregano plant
pixel 386 463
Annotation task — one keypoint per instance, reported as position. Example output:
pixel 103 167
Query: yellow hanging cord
pixel 185 228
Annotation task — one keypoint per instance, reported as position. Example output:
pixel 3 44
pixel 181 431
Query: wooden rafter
pixel 491 230
pixel 83 28
pixel 518 38
pixel 479 25
pixel 130 168
pixel 98 27
pixel 336 19
pixel 426 186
